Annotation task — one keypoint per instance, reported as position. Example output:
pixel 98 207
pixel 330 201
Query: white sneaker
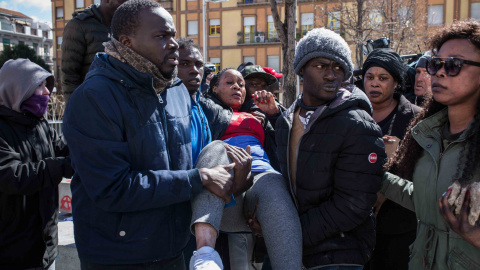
pixel 206 258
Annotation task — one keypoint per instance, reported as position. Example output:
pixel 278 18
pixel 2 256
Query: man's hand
pixel 260 117
pixel 243 179
pixel 218 181
pixel 378 204
pixel 266 102
pixel 253 222
pixel 460 224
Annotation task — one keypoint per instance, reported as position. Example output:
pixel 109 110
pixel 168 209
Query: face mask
pixel 36 104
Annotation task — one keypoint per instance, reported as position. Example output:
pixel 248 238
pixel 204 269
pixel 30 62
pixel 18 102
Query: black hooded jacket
pixel 33 160
pixel 83 37
pixel 337 179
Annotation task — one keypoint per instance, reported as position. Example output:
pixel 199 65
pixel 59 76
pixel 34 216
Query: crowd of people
pixel 172 169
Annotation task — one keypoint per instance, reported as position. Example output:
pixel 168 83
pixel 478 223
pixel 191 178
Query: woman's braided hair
pixel 405 158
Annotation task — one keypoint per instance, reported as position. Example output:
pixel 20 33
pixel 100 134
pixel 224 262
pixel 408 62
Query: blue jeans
pixel 339 267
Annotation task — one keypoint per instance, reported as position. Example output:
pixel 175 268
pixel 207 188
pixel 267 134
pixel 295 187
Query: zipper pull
pixel 160 99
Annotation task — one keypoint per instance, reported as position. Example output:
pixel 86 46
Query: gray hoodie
pixel 18 80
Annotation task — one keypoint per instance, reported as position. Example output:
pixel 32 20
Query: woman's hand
pixel 460 224
pixel 391 144
pixel 266 102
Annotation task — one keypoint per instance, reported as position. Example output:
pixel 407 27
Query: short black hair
pixel 186 43
pixel 126 18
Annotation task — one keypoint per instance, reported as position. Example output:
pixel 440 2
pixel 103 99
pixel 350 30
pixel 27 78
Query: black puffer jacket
pixel 82 39
pixel 32 164
pixel 219 116
pixel 336 179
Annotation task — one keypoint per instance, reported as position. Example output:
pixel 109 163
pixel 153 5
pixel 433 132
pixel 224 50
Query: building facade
pixel 243 30
pixel 17 28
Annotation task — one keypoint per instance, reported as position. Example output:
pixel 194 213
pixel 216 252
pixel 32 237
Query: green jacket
pixel 436 245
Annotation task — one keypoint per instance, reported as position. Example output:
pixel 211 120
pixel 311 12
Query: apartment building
pixel 243 30
pixel 18 28
pixel 236 30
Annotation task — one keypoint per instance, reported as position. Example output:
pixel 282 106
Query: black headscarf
pixel 390 61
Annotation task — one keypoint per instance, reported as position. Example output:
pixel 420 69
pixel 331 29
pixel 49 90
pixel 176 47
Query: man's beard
pixel 170 75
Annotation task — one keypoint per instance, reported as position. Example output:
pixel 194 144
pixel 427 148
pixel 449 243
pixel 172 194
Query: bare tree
pixel 404 22
pixel 286 33
pixel 354 21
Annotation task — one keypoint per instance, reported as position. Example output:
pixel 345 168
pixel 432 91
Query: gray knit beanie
pixel 321 42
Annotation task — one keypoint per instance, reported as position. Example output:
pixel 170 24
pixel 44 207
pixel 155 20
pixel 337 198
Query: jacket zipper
pixel 164 123
pixel 288 165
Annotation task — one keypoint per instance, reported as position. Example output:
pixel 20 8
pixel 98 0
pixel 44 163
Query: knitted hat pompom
pixel 321 42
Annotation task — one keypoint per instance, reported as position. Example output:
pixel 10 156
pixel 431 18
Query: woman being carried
pixel 268 197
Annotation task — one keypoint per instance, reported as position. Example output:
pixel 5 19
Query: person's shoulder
pixel 87 13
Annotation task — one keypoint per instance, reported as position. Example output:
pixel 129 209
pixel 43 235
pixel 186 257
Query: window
pixel 192 27
pixel 79 3
pixel 215 27
pixel 33 32
pixel 272 32
pixel 435 15
pixel 6 25
pixel 404 14
pixel 273 61
pixel 307 23
pixel 376 17
pixel 248 29
pixel 6 43
pixel 216 62
pixel 249 59
pixel 35 47
pixel 59 43
pixel 475 11
pixel 334 21
pixel 45 50
pixel 97 2
pixel 59 13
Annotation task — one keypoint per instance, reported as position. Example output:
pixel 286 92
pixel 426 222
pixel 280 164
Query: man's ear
pixel 125 40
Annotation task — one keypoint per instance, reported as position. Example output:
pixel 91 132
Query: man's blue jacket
pixel 132 157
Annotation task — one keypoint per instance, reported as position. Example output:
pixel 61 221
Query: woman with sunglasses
pixel 440 148
pixel 383 81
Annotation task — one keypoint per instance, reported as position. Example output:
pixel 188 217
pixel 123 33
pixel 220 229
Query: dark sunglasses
pixel 452 65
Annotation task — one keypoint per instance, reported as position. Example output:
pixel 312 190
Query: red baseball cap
pixel 273 72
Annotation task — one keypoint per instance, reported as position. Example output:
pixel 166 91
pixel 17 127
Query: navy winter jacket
pixel 133 159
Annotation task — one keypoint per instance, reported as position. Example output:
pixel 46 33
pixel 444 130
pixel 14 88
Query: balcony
pixel 255 38
pixel 255 2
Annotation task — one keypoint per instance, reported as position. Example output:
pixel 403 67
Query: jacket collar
pixel 346 97
pixel 20 118
pixel 114 69
pixel 91 11
pixel 435 124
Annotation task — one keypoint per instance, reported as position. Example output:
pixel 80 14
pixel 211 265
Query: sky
pixel 36 9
